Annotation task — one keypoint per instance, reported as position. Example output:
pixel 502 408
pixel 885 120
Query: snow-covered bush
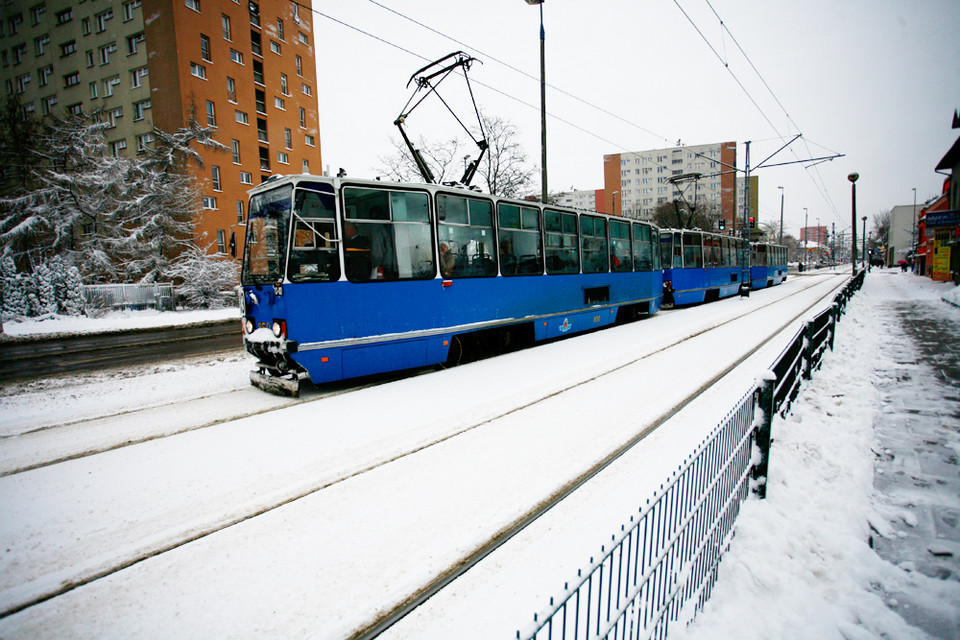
pixel 204 280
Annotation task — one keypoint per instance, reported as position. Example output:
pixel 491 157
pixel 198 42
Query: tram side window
pixel 666 250
pixel 466 230
pixel 692 251
pixel 643 248
pixel 711 254
pixel 313 256
pixel 519 229
pixel 725 242
pixel 620 258
pixel 562 242
pixel 593 232
pixel 387 235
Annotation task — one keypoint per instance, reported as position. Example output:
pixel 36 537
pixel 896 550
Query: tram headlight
pixel 280 328
pixel 248 325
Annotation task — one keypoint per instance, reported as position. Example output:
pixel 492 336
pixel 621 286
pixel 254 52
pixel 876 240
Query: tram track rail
pixel 501 537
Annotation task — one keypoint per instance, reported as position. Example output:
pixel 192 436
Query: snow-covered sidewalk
pixel 859 537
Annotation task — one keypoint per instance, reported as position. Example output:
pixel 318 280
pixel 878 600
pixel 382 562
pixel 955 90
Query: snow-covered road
pixel 311 520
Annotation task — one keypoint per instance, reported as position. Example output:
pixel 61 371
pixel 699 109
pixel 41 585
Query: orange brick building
pixel 248 69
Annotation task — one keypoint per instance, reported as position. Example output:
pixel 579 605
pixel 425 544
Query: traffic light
pixel 753 222
pixel 723 224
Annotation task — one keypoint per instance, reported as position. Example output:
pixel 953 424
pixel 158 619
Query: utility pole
pixel 853 216
pixel 780 241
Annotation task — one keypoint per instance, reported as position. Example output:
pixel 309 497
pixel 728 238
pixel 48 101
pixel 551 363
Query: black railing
pixel 662 567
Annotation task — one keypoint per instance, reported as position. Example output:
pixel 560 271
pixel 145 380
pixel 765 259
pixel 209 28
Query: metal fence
pixel 662 567
pixel 129 296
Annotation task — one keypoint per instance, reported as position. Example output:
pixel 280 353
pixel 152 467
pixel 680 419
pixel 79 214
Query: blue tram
pixel 768 265
pixel 699 266
pixel 345 278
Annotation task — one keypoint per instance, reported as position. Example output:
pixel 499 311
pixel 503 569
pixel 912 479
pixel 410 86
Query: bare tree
pixel 504 167
pixel 677 215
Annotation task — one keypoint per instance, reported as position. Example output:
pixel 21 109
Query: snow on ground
pixel 114 321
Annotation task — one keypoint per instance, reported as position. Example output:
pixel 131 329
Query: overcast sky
pixel 875 80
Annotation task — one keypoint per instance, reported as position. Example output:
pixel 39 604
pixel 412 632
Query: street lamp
pixel 864 257
pixel 806 236
pixel 853 216
pixel 543 107
pixel 781 215
pixel 913 249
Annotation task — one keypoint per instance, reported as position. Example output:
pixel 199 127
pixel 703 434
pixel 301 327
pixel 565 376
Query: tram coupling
pixel 288 385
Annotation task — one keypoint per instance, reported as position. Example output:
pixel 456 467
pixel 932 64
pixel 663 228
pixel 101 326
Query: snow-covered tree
pixel 46 292
pixel 158 224
pixel 14 293
pixel 72 303
pixel 205 280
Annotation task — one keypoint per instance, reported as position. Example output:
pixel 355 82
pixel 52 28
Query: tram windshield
pixel 267 224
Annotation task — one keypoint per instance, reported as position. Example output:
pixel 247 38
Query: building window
pixel 134 42
pixel 94 91
pixel 278 103
pixel 221 238
pixel 236 56
pixel 211 114
pixel 40 44
pixel 129 8
pixel 279 28
pixel 44 74
pixel 113 115
pixel 192 4
pixel 255 43
pixel 205 48
pixel 109 84
pixel 118 146
pixel 299 61
pixel 264 159
pixel 90 62
pixel 137 76
pixel 85 26
pixel 308 139
pixel 306 89
pixel 241 117
pixel 140 109
pixel 198 71
pixel 102 19
pixel 306 166
pixel 209 202
pixel 215 177
pixel 235 147
pixel 283 84
pixel 68 48
pixel 288 138
pixel 144 141
pixel 64 16
pixel 240 211
pixel 254 13
pixel 105 52
pixel 225 23
pixel 275 47
pixel 69 80
pixel 232 90
pixel 75 109
pixel 47 105
pixel 36 12
pixel 303 38
pixel 246 177
pixel 283 158
pixel 303 118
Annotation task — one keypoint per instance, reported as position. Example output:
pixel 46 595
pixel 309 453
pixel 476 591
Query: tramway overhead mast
pixel 425 80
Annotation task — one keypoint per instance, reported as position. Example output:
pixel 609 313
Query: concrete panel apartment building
pixel 245 67
pixel 635 183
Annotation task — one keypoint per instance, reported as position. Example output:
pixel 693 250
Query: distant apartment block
pixel 641 179
pixel 246 68
pixel 584 199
